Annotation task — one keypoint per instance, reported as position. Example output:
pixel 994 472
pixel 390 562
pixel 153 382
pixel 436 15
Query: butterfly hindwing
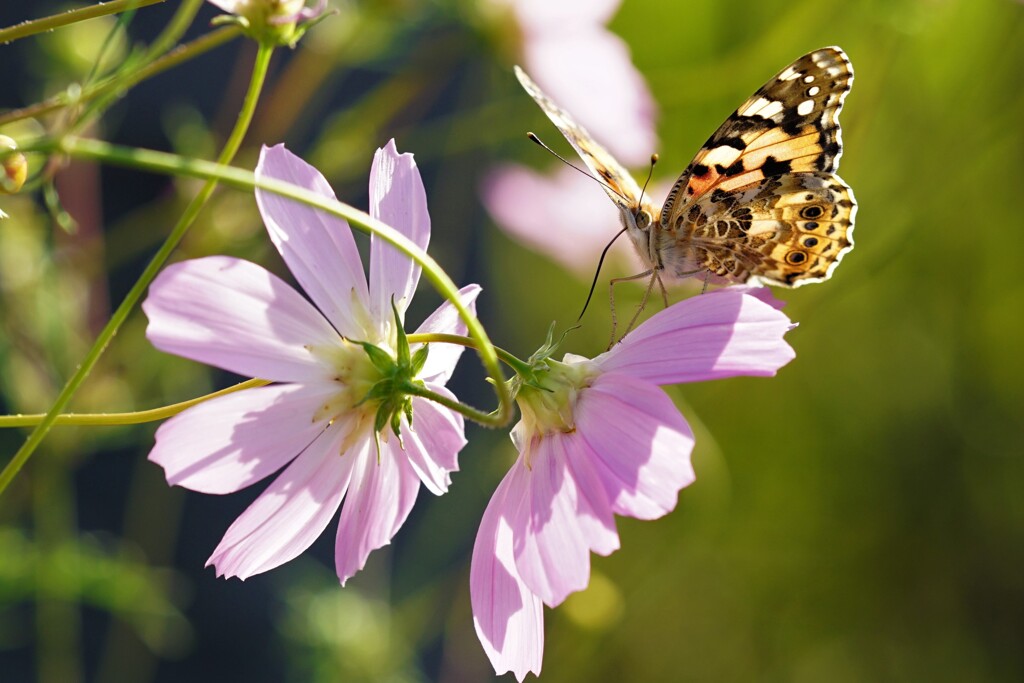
pixel 785 230
pixel 790 125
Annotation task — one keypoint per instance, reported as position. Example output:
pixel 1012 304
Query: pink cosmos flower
pixel 316 425
pixel 599 438
pixel 588 71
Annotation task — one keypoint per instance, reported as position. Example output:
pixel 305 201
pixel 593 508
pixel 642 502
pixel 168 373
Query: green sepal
pixel 380 420
pixel 227 19
pixel 419 359
pixel 380 358
pixel 402 345
pixel 396 425
pixel 408 412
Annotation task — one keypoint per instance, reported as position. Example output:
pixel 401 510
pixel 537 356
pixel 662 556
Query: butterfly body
pixel 761 199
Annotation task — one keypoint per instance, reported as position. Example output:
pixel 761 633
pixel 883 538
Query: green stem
pixel 452 404
pixel 121 81
pixel 164 412
pixel 519 366
pixel 163 162
pixel 133 418
pixel 34 26
pixel 113 325
pixel 173 58
pixel 179 23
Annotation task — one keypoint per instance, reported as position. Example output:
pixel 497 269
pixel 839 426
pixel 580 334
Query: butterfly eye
pixel 643 219
pixel 811 212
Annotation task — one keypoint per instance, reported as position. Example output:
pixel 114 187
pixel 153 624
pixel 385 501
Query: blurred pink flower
pixel 599 438
pixel 563 215
pixel 315 424
pixel 588 71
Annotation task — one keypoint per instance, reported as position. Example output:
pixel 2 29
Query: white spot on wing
pixel 789 74
pixel 755 107
pixel 762 107
pixel 813 90
pixel 805 107
pixel 722 154
pixel 771 110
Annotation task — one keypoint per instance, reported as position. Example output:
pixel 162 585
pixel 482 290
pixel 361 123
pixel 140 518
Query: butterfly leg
pixel 643 303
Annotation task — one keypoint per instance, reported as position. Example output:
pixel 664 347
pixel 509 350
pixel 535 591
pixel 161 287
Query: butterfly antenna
pixel 600 262
pixel 534 138
pixel 650 173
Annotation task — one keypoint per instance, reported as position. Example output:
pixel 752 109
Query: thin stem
pixel 519 366
pixel 34 26
pixel 174 31
pixel 163 162
pixel 164 412
pixel 136 417
pixel 173 58
pixel 117 319
pixel 179 23
pixel 423 392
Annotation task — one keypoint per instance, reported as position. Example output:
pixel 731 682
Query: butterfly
pixel 761 200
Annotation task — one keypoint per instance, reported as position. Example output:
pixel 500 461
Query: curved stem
pixel 449 403
pixel 113 325
pixel 520 366
pixel 43 24
pixel 136 417
pixel 163 162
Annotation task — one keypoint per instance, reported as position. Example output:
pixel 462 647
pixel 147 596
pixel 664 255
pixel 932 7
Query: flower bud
pixel 13 165
pixel 274 21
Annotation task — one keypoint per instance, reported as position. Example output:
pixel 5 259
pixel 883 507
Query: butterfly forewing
pixel 620 185
pixel 790 125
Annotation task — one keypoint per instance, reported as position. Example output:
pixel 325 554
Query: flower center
pixel 548 401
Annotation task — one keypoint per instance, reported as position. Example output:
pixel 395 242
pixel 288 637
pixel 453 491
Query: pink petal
pixel 442 358
pixel 433 443
pixel 397 198
pixel 290 514
pixel 563 215
pixel 237 316
pixel 561 520
pixel 640 443
pixel 318 247
pixel 381 494
pixel 720 334
pixel 544 16
pixel 590 74
pixel 230 442
pixel 509 619
pixel 762 293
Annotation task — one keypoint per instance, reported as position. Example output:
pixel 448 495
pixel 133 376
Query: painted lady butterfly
pixel 761 200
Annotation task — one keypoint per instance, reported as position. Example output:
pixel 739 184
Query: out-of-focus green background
pixel 860 517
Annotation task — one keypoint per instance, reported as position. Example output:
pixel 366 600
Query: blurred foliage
pixel 857 518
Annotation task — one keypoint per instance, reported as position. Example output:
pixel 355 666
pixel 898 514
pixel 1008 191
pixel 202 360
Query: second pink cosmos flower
pixel 599 438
